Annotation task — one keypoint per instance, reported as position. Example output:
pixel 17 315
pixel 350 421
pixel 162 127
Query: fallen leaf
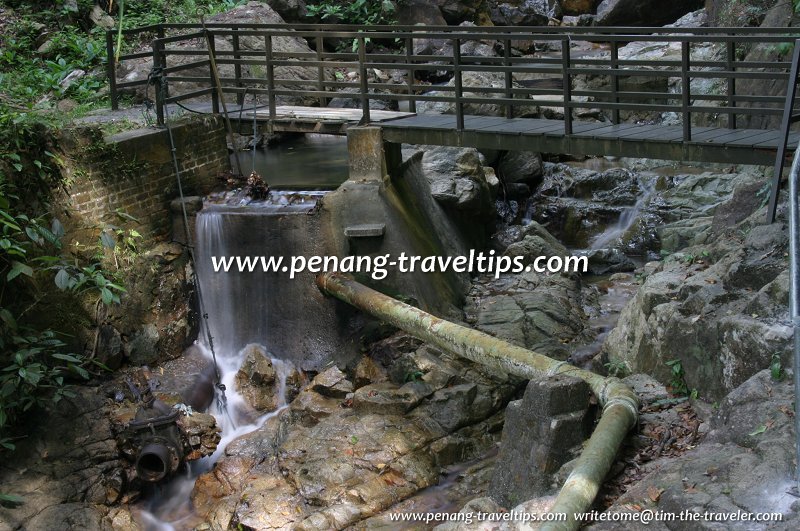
pixel 654 493
pixel 758 431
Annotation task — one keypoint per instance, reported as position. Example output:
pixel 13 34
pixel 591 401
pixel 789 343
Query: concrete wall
pixel 133 171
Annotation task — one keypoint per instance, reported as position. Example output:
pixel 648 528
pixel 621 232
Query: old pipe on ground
pixel 620 405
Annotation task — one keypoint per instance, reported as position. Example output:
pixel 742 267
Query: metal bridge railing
pixel 549 79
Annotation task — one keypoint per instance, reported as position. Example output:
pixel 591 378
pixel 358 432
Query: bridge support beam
pixel 370 158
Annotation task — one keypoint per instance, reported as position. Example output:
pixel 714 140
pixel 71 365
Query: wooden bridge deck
pixel 708 144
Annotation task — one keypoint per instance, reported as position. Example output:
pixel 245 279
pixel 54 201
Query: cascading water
pixel 610 237
pixel 238 320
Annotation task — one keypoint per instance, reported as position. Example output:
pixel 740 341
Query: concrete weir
pixel 385 208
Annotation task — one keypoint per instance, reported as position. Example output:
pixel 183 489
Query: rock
pixel 333 383
pixel 413 12
pixel 250 13
pixel 538 311
pixel 290 10
pixel 457 180
pixel 388 399
pixel 642 13
pixel 520 167
pixel 577 7
pixel 457 11
pixel 100 18
pixel 717 307
pixel 477 79
pixel 535 241
pixel 519 12
pixel 143 347
pixel 647 389
pixel 744 464
pixel 604 261
pixel 255 379
pixel 109 350
pixel 68 469
pixel 368 372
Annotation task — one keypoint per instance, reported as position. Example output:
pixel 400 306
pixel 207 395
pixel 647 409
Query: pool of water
pixel 307 162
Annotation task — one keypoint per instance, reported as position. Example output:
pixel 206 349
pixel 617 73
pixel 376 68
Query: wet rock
pixel 642 13
pixel 255 379
pixel 520 167
pixel 332 383
pixel 321 465
pixel 458 11
pixel 605 261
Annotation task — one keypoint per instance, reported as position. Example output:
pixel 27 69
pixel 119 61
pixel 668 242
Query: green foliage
pixel 617 368
pixel 361 12
pixel 776 368
pixel 678 378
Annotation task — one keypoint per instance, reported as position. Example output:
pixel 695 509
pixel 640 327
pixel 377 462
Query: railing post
pixel 566 64
pixel 686 92
pixel 362 64
pixel 458 82
pixel 270 76
pixel 158 65
pixel 412 103
pixel 731 84
pixel 215 95
pixel 323 101
pixel 508 77
pixel 237 68
pixel 615 81
pixel 111 70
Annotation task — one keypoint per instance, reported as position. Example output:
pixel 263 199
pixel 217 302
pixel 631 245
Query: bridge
pixel 579 91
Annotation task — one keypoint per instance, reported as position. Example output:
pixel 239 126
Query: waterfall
pixel 629 215
pixel 238 320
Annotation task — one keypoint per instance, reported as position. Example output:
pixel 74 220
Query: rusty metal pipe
pixel 620 405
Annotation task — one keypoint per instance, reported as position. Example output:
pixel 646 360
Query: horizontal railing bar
pixel 189 95
pixel 186 66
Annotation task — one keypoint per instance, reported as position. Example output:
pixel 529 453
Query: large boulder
pixel 457 11
pixel 642 12
pixel 520 12
pixel 250 13
pixel 719 308
pixel 457 179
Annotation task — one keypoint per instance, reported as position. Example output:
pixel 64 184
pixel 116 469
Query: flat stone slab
pixel 367 230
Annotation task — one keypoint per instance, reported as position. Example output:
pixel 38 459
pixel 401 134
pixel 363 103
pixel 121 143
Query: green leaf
pixel 8 319
pixel 66 357
pixel 107 240
pixel 57 228
pixel 107 296
pixel 83 373
pixel 18 268
pixel 10 499
pixel 761 429
pixel 63 279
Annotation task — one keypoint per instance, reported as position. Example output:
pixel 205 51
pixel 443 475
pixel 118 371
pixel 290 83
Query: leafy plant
pixel 776 368
pixel 678 378
pixel 617 368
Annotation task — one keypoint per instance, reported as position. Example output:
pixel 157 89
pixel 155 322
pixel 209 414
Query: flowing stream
pixel 611 236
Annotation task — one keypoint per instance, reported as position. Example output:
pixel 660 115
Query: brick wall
pixel 133 172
